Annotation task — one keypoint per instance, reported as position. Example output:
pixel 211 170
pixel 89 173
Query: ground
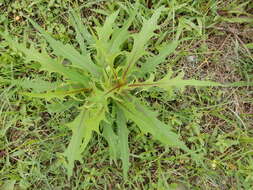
pixel 217 122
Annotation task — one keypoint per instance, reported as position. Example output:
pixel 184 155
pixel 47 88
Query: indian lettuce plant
pixel 101 76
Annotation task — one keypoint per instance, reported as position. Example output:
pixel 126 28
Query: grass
pixel 216 122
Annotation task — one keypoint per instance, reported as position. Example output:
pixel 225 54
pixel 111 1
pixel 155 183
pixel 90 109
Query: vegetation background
pixel 218 122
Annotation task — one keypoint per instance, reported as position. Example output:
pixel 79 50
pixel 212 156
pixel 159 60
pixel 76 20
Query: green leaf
pixel 106 37
pixel 168 82
pixel 141 39
pixel 148 123
pixel 123 141
pixel 95 115
pixel 61 107
pixel 118 145
pixel 69 52
pixel 37 85
pixel 108 48
pixel 47 63
pixel 56 94
pixel 121 35
pixel 106 30
pixel 81 135
pixel 82 33
pixel 111 138
pixel 82 127
pixel 152 62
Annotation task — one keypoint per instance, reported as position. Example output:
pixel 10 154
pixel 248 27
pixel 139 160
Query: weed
pixel 102 84
pixel 215 123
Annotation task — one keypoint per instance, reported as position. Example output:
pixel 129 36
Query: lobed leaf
pixel 123 141
pixel 141 39
pixel 168 82
pixel 152 62
pixel 69 52
pixel 82 127
pixel 121 35
pixel 61 107
pixel 111 138
pixel 37 84
pixel 47 63
pixel 81 135
pixel 112 48
pixel 148 123
pixel 108 48
pixel 106 30
pixel 55 94
pixel 82 33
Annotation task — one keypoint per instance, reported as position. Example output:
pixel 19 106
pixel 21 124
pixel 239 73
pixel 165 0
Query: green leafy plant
pixel 100 80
